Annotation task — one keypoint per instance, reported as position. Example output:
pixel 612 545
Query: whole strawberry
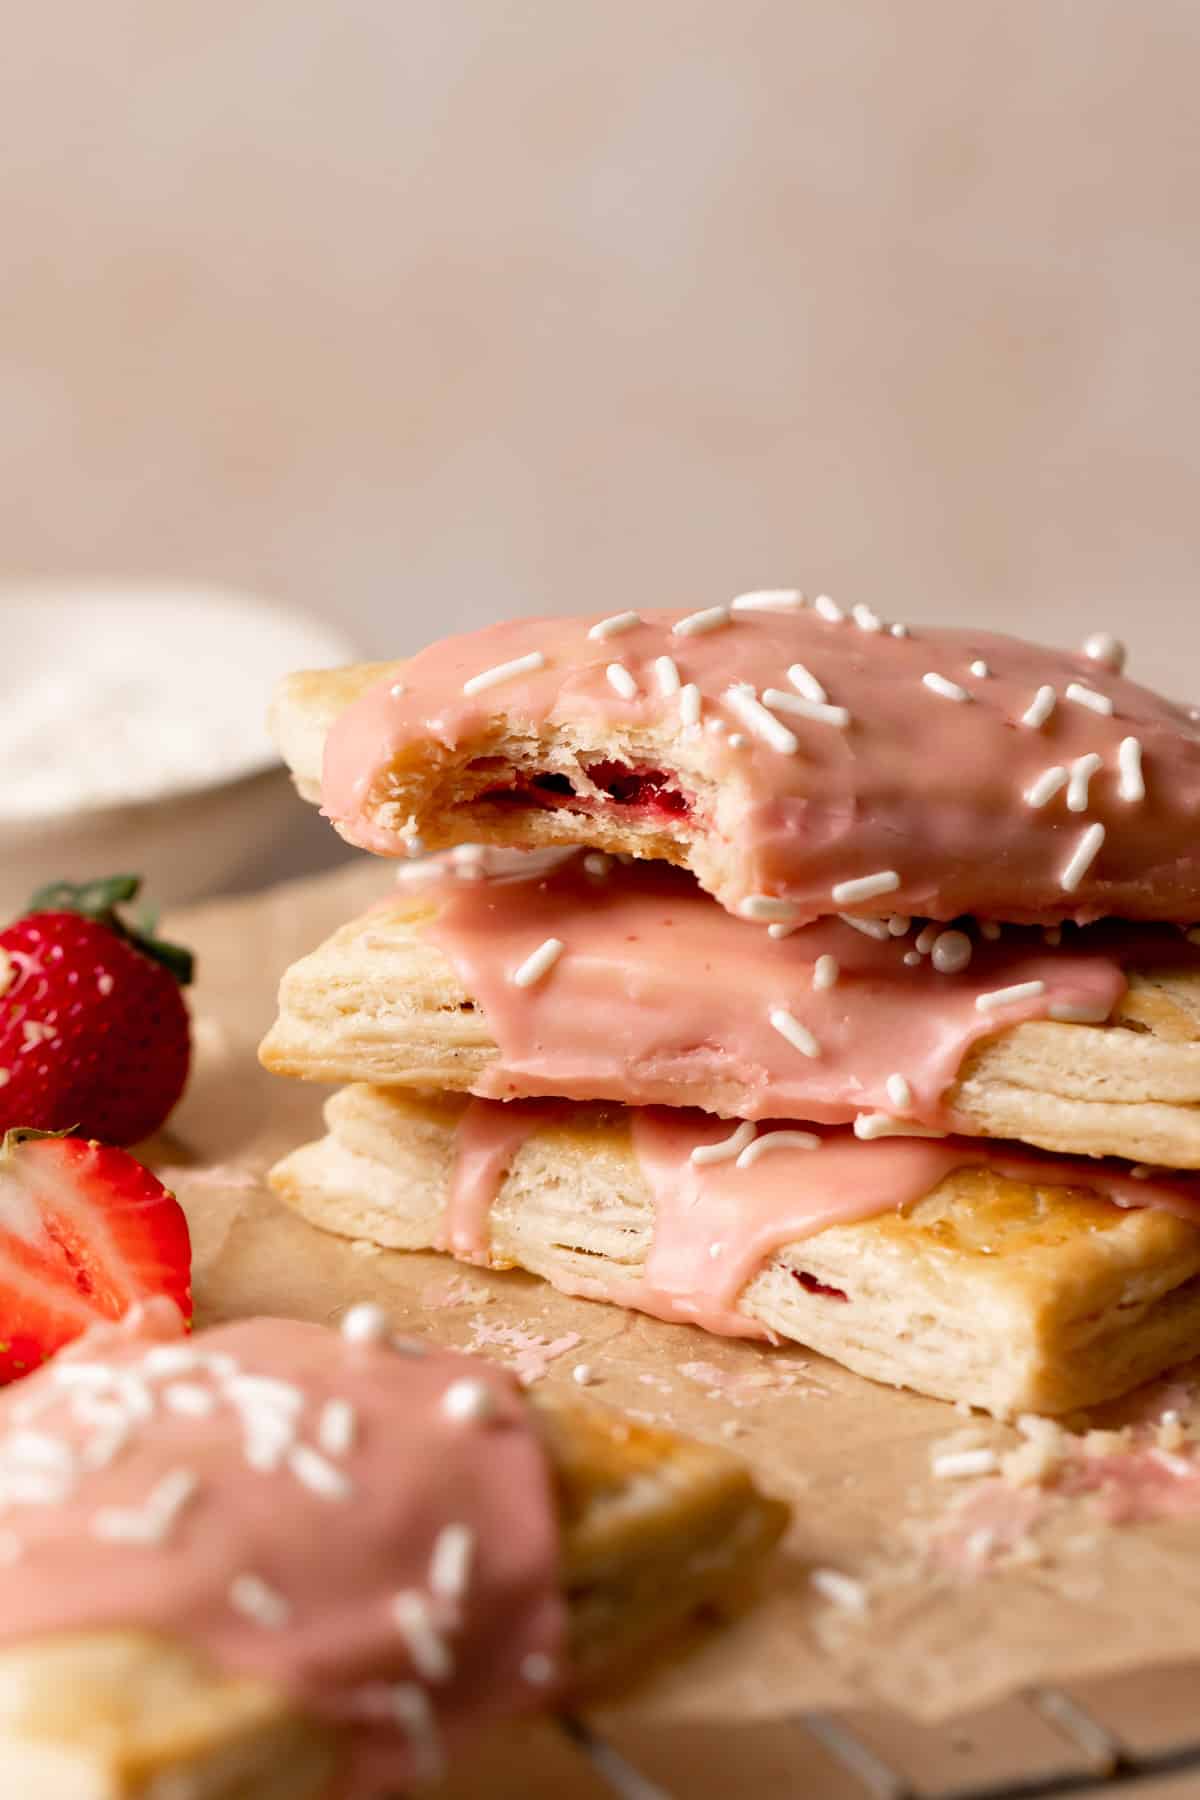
pixel 94 1033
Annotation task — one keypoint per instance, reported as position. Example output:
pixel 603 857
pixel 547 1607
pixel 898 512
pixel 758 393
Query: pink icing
pixel 662 998
pixel 337 1561
pixel 926 786
pixel 716 1224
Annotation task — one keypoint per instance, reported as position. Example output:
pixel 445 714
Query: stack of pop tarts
pixel 781 972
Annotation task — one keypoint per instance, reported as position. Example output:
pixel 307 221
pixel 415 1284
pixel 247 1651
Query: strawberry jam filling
pixel 652 793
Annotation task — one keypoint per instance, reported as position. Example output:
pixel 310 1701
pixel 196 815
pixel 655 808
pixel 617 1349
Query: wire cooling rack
pixel 1139 1735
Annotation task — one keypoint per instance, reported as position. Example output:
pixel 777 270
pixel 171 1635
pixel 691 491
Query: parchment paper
pixel 853 1458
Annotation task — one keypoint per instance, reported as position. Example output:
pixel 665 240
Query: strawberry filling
pixel 650 793
pixel 811 1285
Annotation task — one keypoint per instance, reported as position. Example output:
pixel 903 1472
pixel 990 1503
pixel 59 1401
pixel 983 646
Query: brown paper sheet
pixel 853 1458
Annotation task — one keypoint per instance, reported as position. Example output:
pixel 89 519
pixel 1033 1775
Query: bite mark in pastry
pixel 913 785
pixel 262 1561
pixel 1013 1281
pixel 659 997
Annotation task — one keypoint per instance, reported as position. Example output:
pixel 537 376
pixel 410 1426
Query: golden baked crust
pixel 1012 1297
pixel 654 1527
pixel 378 1002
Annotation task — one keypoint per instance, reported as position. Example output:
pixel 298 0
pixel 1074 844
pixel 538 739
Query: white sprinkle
pixel 250 1596
pixel 597 862
pixel 583 1374
pixel 715 726
pixel 1082 770
pixel 742 700
pixel 1046 785
pixel 539 963
pixel 105 1446
pixel 763 908
pixel 865 619
pixel 951 1465
pixel 899 925
pixel 468 1402
pixel 667 676
pixel 899 1092
pixel 826 970
pixel 1069 1012
pixel 409 1707
pixel 689 704
pixel 828 609
pixel 939 684
pixel 450 1563
pixel 268 1438
pixel 1179 1466
pixel 189 1399
pixel 872 928
pixel 1082 858
pixel 614 625
pixel 781 931
pixel 769 600
pixel 151 1525
pixel 397 689
pixel 899 631
pixel 912 959
pixel 1009 996
pixel 365 1323
pixel 726 1148
pixel 82 1375
pixel 171 1359
pixel 777 1140
pixel 952 952
pixel 736 740
pixel 537 1669
pixel 38 1449
pixel 520 665
pixel 1132 785
pixel 1039 708
pixel 800 708
pixel 1086 696
pixel 927 937
pixel 797 1035
pixel 865 887
pixel 878 1125
pixel 424 1643
pixel 621 681
pixel 711 619
pixel 1102 647
pixel 319 1476
pixel 980 669
pixel 806 684
pixel 842 1591
pixel 336 1428
pixel 716 1250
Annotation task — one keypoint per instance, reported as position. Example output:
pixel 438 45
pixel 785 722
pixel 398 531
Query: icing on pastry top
pixel 655 988
pixel 718 1221
pixel 826 764
pixel 305 1506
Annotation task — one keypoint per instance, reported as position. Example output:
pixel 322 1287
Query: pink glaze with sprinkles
pixel 717 1224
pixel 926 783
pixel 243 1527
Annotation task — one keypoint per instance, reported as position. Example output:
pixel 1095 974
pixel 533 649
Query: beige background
pixel 422 311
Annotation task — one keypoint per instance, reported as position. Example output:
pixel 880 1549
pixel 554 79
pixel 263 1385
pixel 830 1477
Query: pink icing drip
pixel 924 785
pixel 662 998
pixel 413 1470
pixel 785 1196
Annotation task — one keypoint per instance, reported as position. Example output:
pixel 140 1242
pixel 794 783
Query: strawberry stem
pixel 99 900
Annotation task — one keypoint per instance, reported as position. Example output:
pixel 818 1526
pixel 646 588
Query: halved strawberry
pixel 85 1233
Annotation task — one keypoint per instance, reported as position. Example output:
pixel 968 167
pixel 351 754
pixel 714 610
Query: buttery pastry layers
pixel 798 761
pixel 659 997
pixel 1001 1278
pixel 168 1627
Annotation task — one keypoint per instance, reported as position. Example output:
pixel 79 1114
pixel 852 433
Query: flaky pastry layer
pixel 1012 1297
pixel 378 1002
